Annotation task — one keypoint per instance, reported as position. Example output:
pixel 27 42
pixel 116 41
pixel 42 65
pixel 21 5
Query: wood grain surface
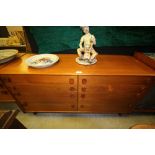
pixel 115 84
pixel 106 65
pixel 111 94
pixel 4 94
pixel 43 93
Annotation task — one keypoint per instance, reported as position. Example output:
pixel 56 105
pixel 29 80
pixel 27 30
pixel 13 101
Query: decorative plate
pixel 85 62
pixel 42 60
pixel 7 55
pixel 151 55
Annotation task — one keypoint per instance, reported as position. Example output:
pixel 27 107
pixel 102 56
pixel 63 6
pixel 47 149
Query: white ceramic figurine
pixel 86 52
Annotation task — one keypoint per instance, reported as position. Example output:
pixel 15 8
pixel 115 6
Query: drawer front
pixel 111 94
pixel 48 107
pixel 43 93
pixel 38 79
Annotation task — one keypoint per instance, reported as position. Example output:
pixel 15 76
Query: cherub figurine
pixel 86 52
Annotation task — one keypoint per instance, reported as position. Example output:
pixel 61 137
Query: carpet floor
pixel 82 121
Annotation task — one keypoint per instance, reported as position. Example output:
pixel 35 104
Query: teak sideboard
pixel 115 84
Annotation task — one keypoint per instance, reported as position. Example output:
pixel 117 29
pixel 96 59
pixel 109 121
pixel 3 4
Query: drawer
pixel 134 80
pixel 43 93
pixel 48 107
pixel 111 94
pixel 46 79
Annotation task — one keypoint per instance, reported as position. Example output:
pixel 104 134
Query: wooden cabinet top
pixel 106 65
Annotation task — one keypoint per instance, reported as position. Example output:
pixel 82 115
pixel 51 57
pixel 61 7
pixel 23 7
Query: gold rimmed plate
pixel 7 55
pixel 42 60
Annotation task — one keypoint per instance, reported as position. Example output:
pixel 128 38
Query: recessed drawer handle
pixel 83 89
pixel 83 95
pixel 84 81
pixel 71 81
pixel 72 88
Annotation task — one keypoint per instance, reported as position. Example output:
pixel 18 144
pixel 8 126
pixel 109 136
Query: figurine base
pixel 85 62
